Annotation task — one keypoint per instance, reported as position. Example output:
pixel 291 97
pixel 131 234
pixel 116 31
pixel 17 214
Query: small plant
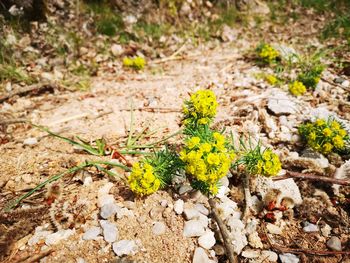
pixel 207 159
pixel 267 54
pixel 325 136
pixel 200 109
pixel 153 173
pixel 311 75
pixel 271 79
pixel 137 63
pixel 256 161
pixel 297 88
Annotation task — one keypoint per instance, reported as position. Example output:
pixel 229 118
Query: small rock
pixel 129 205
pixel 281 104
pixel 92 233
pixel 39 234
pixel 193 228
pixel 228 34
pixel 191 213
pixel 125 247
pixel 339 80
pixel 108 210
pixel 121 212
pixel 346 84
pixel 104 190
pixel 200 256
pixel 288 258
pixel 254 240
pixel 202 209
pixel 310 227
pixel 179 206
pixel 184 189
pixel 250 253
pixel 117 50
pixel 219 250
pixel 334 243
pixel 156 212
pixel 105 199
pixel 80 260
pixel 58 236
pixel 30 141
pixel 207 240
pixel 273 229
pixel 158 228
pixel 269 255
pixel 164 203
pixel 110 231
pixel 326 230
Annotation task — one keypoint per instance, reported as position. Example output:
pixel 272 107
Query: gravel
pixel 200 256
pixel 334 243
pixel 179 206
pixel 288 258
pixel 193 228
pixel 92 233
pixel 207 240
pixel 159 228
pixel 125 247
pixel 110 231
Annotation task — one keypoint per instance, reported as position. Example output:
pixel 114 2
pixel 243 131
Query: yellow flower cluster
pixel 269 164
pixel 324 136
pixel 137 63
pixel 267 53
pixel 207 160
pixel 271 79
pixel 142 179
pixel 201 108
pixel 297 88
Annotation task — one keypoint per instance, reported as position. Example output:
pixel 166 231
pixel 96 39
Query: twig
pixel 172 56
pixel 224 232
pixel 26 90
pixel 36 258
pixel 335 84
pixel 312 177
pixel 154 109
pixel 12 121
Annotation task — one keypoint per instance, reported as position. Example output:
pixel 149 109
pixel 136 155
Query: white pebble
pixel 202 209
pixel 125 247
pixel 310 227
pixel 30 141
pixel 92 233
pixel 58 236
pixel 108 210
pixel 110 231
pixel 288 258
pixel 193 228
pixel 200 256
pixel 207 240
pixel 179 206
pixel 158 228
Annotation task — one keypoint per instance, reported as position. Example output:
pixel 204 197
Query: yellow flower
pixel 213 159
pixel 327 132
pixel 342 132
pixel 271 79
pixel 205 147
pixel 338 142
pixel 213 188
pixel 193 142
pixel 297 88
pixel 268 53
pixel 320 122
pixel 312 136
pixel 327 148
pixel 335 125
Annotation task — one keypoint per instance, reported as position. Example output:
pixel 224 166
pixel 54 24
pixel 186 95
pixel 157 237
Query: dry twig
pixel 224 232
pixel 33 88
pixel 312 177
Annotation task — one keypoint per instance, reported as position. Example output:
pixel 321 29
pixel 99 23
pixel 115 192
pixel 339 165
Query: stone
pixel 238 236
pixel 269 255
pixel 156 212
pixel 117 50
pixel 30 141
pixel 286 52
pixel 80 260
pixel 123 211
pixel 345 84
pixel 105 199
pixel 273 229
pixel 179 206
pixel 39 235
pixel 125 247
pixel 254 240
pixel 202 209
pixel 54 238
pixel 308 227
pixel 326 230
pixel 164 203
pixel 191 213
pixel 110 231
pixel 339 80
pixel 158 228
pixel 108 210
pixel 228 34
pixel 227 207
pixel 184 189
pixel 289 258
pixel 200 256
pixel 92 233
pixel 250 253
pixel 280 104
pixel 207 240
pixel 193 228
pixel 334 243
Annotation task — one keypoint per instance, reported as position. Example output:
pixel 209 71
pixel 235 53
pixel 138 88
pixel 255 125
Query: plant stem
pixel 247 196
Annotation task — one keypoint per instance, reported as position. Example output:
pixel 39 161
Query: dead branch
pixel 335 84
pixel 224 232
pixel 36 88
pixel 312 177
pixel 154 109
pixel 12 121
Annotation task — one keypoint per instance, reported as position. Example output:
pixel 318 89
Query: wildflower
pixel 200 109
pixel 297 88
pixel 271 79
pixel 338 142
pixel 267 53
pixel 327 147
pixel 327 132
pixel 194 141
pixel 137 63
pixel 142 180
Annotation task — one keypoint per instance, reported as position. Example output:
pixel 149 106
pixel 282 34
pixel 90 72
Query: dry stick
pixel 224 232
pixel 247 196
pixel 335 84
pixel 37 258
pixel 26 90
pixel 154 109
pixel 12 121
pixel 312 177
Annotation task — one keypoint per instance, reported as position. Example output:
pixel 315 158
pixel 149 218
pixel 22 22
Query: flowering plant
pixel 267 53
pixel 207 158
pixel 325 136
pixel 200 109
pixel 297 88
pixel 137 63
